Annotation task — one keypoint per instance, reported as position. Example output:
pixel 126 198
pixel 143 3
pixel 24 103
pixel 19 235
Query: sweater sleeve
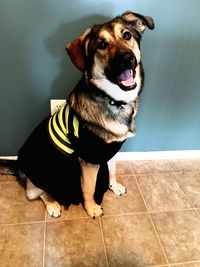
pixel 92 148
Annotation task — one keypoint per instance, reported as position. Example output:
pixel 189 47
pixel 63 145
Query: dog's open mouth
pixel 126 80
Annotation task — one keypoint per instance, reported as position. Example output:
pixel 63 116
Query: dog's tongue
pixel 126 78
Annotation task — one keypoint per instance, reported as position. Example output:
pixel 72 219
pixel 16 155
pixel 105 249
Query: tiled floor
pixel 157 223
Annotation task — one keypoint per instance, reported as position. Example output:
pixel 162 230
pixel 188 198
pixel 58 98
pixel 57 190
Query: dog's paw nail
pixel 120 195
pixel 101 208
pixel 93 217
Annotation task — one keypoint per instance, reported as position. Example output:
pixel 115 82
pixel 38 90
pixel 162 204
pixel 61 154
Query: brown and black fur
pixel 111 58
pixel 106 106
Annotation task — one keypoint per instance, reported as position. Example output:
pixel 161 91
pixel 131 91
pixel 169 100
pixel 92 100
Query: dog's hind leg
pixel 117 188
pixel 33 192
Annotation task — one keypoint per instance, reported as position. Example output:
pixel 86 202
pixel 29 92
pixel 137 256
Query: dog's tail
pixel 8 167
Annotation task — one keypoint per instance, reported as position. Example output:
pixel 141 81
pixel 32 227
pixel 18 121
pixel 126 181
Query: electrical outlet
pixel 56 105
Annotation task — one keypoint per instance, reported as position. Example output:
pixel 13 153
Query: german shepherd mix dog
pixel 66 156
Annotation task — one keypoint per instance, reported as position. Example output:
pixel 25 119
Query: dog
pixel 83 137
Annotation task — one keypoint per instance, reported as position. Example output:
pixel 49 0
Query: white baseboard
pixel 122 156
pixel 178 154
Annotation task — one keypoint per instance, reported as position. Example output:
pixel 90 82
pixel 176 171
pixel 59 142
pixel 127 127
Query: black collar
pixel 98 92
pixel 109 99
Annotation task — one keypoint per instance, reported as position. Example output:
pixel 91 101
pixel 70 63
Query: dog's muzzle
pixel 124 65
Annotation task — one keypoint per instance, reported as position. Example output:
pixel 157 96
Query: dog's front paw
pixel 53 208
pixel 93 210
pixel 117 188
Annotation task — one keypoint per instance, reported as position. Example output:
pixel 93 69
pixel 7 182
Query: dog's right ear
pixel 137 21
pixel 75 50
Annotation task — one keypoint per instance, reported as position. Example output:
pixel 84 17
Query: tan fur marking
pixel 131 44
pixel 136 50
pixel 75 50
pixel 105 35
pixel 32 192
pixel 52 206
pixel 88 184
pixel 117 30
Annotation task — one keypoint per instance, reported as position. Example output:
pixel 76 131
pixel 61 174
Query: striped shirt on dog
pixel 60 125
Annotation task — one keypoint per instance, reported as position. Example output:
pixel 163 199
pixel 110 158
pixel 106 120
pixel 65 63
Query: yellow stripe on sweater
pixel 58 131
pixel 57 142
pixel 76 125
pixel 60 118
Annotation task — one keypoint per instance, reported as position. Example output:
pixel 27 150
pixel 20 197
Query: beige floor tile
pixel 22 245
pixel 130 241
pixel 162 192
pixel 14 206
pixel 123 168
pixel 198 211
pixel 150 166
pixel 185 165
pixel 190 264
pixel 180 234
pixel 74 243
pixel 73 212
pixel 128 203
pixel 190 182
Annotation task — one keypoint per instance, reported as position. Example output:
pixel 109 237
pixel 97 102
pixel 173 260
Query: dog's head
pixel 109 54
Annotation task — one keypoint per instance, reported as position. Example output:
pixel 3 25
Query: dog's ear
pixel 137 21
pixel 76 48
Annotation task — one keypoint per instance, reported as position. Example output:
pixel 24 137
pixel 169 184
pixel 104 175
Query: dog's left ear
pixel 76 48
pixel 137 21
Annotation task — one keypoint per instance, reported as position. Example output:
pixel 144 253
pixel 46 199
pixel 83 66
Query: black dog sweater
pixel 49 157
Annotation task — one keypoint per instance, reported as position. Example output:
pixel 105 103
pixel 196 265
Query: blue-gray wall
pixel 34 67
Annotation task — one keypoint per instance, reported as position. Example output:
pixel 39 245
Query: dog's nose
pixel 127 57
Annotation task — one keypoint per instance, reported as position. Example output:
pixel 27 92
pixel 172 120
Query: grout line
pixel 158 238
pixel 67 219
pixel 44 243
pixel 158 173
pixel 190 201
pixel 130 166
pixel 155 231
pixel 198 213
pixel 147 212
pixel 162 265
pixel 125 214
pixel 186 262
pixel 105 216
pixel 166 211
pixel 103 240
pixel 22 223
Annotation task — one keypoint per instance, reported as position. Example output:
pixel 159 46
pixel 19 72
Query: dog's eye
pixel 102 44
pixel 127 36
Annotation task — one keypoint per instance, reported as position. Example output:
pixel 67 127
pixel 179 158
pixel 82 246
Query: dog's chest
pixel 121 120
